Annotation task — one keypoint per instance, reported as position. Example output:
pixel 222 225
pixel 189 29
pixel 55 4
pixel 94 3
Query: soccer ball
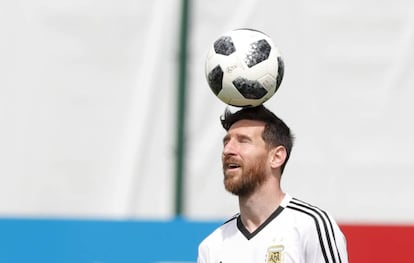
pixel 244 68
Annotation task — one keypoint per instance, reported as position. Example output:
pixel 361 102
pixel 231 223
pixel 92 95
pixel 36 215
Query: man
pixel 272 226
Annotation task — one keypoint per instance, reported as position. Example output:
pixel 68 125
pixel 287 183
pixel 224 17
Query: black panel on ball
pixel 280 72
pixel 258 52
pixel 224 46
pixel 215 79
pixel 250 89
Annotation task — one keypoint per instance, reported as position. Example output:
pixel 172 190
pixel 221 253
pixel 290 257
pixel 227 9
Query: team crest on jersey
pixel 275 254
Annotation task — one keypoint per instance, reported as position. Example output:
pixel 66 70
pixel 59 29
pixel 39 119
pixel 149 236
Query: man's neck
pixel 257 207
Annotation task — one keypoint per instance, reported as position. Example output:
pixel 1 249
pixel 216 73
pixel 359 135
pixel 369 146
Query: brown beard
pixel 252 177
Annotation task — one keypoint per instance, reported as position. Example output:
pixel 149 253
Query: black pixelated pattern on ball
pixel 280 71
pixel 258 52
pixel 250 89
pixel 215 79
pixel 224 46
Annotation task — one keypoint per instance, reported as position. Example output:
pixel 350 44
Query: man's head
pixel 276 132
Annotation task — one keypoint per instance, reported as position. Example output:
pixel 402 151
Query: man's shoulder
pixel 229 224
pixel 304 208
pixel 306 214
pixel 222 230
pixel 317 227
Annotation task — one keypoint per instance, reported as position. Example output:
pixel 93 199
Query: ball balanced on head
pixel 244 68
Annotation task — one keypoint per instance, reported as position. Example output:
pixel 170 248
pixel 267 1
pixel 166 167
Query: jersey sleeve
pixel 325 242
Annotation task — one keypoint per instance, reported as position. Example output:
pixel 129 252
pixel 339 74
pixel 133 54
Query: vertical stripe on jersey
pixel 316 213
pixel 317 228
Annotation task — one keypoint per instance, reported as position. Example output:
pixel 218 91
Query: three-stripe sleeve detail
pixel 324 228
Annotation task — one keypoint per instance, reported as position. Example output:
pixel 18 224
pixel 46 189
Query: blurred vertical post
pixel 181 108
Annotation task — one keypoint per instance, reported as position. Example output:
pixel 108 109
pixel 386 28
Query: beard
pixel 251 177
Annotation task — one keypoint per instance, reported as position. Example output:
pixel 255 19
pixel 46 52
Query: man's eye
pixel 244 140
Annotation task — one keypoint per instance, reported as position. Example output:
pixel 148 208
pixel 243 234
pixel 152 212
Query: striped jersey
pixel 296 232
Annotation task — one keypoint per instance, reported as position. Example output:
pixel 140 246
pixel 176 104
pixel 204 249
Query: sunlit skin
pixel 252 171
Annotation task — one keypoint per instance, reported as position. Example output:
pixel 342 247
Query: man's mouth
pixel 231 166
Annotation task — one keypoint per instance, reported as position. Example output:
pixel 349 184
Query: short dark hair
pixel 276 132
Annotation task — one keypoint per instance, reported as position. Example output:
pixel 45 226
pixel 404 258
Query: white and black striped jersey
pixel 296 232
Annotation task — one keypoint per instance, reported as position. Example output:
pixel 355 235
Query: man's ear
pixel 278 156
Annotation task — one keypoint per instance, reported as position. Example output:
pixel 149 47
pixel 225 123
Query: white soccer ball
pixel 244 68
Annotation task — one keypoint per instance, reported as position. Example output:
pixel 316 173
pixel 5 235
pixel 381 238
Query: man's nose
pixel 229 148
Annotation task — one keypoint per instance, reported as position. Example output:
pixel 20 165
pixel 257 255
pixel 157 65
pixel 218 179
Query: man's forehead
pixel 247 124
